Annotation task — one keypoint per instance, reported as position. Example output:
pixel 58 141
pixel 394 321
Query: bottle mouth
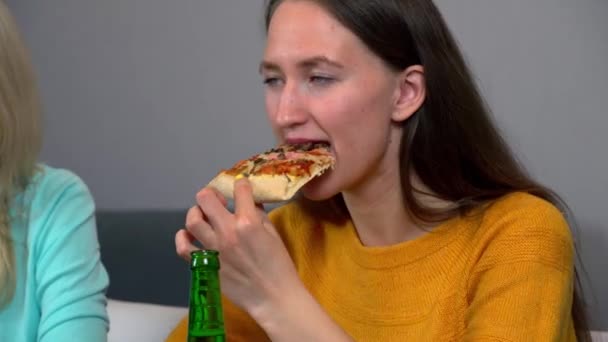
pixel 204 252
pixel 205 258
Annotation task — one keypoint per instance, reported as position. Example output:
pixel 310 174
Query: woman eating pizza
pixel 423 228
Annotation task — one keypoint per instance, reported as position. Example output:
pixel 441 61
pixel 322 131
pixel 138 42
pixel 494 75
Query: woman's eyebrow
pixel 307 63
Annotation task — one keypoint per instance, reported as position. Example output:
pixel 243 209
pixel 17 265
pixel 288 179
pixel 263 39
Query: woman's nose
pixel 291 110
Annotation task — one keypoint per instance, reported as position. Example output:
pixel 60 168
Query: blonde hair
pixel 20 137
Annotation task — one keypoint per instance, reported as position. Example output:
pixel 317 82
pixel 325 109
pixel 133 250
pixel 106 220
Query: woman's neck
pixel 378 210
pixel 383 220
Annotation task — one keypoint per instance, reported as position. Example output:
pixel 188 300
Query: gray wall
pixel 146 99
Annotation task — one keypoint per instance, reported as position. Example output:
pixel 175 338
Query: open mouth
pixel 308 144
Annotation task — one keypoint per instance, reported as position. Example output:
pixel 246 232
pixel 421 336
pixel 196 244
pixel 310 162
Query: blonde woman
pixel 52 282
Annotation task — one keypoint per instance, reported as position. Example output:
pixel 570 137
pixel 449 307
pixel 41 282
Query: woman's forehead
pixel 302 20
pixel 303 29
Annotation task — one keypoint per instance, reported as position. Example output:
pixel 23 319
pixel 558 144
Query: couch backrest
pixel 138 250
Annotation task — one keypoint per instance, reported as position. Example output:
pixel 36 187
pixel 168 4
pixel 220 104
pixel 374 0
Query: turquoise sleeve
pixel 71 278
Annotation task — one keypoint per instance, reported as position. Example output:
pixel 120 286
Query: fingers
pixel 213 207
pixel 205 234
pixel 183 244
pixel 193 216
pixel 243 198
pixel 198 228
pixel 248 213
pixel 220 197
pixel 216 227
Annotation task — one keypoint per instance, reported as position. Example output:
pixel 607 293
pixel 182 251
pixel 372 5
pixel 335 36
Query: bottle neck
pixel 206 320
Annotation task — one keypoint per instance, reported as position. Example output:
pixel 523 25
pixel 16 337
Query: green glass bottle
pixel 206 318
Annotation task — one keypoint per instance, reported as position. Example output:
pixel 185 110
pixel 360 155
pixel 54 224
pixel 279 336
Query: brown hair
pixel 476 164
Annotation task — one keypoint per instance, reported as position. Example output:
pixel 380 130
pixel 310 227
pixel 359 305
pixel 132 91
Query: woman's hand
pixel 256 270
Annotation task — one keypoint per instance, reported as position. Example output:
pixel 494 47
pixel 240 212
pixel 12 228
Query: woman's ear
pixel 410 93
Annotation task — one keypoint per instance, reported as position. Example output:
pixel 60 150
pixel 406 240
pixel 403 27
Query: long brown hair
pixel 476 164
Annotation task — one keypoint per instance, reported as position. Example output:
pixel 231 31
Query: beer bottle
pixel 206 320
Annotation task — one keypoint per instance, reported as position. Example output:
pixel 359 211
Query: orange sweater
pixel 505 274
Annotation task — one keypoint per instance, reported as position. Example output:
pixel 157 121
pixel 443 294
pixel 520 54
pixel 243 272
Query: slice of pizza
pixel 276 175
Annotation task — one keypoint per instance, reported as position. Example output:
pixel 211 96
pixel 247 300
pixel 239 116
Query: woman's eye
pixel 271 81
pixel 321 80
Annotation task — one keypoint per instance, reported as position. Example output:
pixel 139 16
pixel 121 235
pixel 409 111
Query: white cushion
pixel 131 321
pixel 599 336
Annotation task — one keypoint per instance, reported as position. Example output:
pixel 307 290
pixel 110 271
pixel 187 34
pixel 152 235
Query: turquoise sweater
pixel 61 283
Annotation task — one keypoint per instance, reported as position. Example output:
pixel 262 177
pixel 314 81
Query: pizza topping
pixel 274 150
pixel 304 147
pixel 238 168
pixel 285 155
pixel 287 159
pixel 299 167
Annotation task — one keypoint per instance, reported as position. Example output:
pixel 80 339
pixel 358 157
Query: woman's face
pixel 323 84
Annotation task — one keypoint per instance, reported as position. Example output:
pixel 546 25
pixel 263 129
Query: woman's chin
pixel 318 190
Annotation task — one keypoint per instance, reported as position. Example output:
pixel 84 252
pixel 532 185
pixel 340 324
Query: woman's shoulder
pixel 58 192
pixel 525 209
pixel 51 177
pixel 523 227
pixel 53 205
pixel 51 182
